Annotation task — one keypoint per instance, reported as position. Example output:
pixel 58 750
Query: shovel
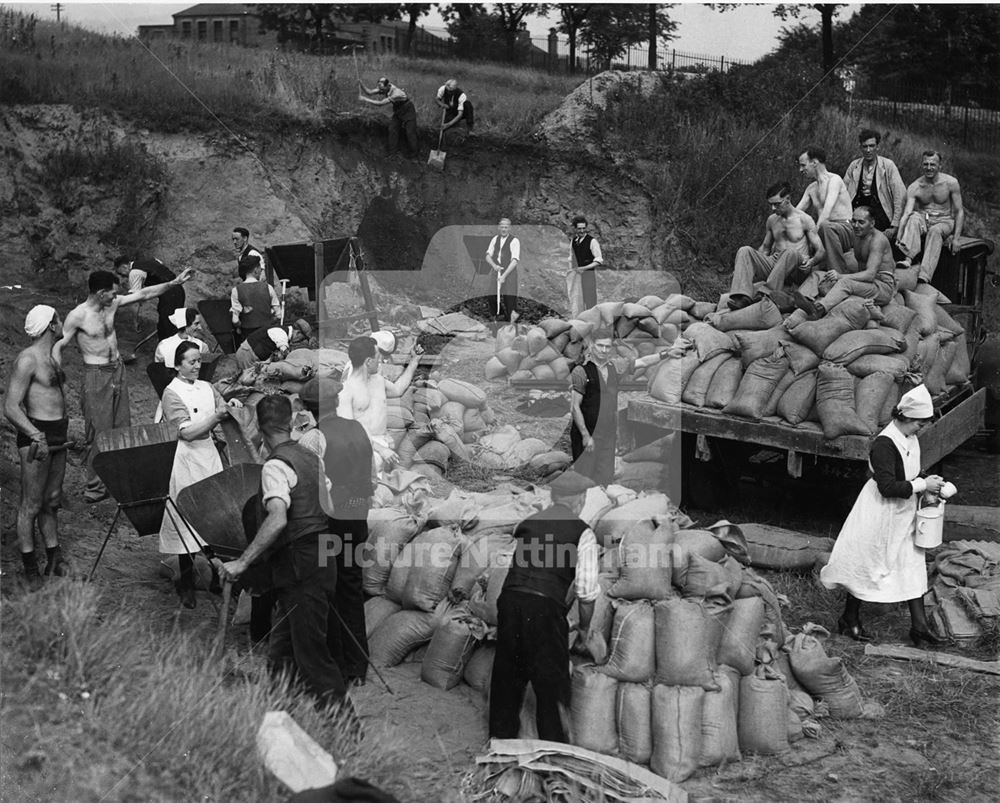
pixel 498 293
pixel 128 359
pixel 436 159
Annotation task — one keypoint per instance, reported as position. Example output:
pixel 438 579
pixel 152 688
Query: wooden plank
pixel 780 435
pixel 940 658
pixel 563 384
pixel 952 429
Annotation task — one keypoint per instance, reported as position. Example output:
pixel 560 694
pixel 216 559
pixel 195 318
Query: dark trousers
pixel 349 599
pixel 508 297
pixel 532 647
pixel 588 283
pixel 305 593
pixel 407 125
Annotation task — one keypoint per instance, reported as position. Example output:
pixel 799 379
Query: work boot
pixel 739 301
pixel 806 304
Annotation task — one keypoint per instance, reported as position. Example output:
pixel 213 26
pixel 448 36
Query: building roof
pixel 216 10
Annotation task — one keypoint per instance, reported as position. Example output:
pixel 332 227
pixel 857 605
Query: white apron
pixel 574 292
pixel 193 461
pixel 875 557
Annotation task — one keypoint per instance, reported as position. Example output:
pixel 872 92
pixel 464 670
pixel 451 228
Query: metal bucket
pixel 930 526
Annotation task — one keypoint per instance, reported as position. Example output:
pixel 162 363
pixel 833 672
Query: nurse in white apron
pixel 196 408
pixel 875 557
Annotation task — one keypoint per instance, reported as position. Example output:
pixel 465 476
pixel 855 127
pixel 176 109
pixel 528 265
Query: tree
pixel 610 29
pixel 827 11
pixel 461 12
pixel 413 12
pixel 572 17
pixel 302 22
pixel 512 17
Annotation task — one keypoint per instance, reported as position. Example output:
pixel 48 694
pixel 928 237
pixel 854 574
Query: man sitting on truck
pixel 790 237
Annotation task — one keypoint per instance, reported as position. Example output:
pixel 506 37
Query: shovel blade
pixel 436 159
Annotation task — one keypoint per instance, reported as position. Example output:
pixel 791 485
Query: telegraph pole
pixel 58 9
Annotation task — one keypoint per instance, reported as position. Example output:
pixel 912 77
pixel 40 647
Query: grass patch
pixel 175 85
pixel 170 719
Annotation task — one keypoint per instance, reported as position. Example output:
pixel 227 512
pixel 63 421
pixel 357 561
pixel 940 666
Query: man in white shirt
pixel 503 256
pixel 587 257
pixel 242 247
pixel 456 104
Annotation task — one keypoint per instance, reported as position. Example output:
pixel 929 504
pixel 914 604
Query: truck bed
pixel 960 421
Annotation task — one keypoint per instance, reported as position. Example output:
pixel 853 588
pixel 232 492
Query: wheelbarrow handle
pixel 33 449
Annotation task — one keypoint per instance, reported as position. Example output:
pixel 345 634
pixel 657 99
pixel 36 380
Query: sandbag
pixel 615 523
pixel 897 316
pixel 581 326
pixel 824 677
pixel 935 378
pixel 757 385
pixel 547 462
pixel 696 388
pixel 501 440
pixel 483 602
pixel 592 710
pixel 709 341
pixel 635 311
pixel 536 340
pixel 755 345
pixel 524 450
pixel 720 743
pixel 907 278
pixel 505 337
pixel 465 393
pixel 739 637
pixel 677 719
pixel 650 301
pixel 818 335
pixel 889 405
pixel 645 563
pixel 430 399
pixel 888 363
pixel 389 530
pixel 959 368
pixel 543 373
pixel 779 390
pixel 448 652
pixel 796 402
pixel 763 723
pixel 398 635
pixel 435 453
pixel 479 668
pixel 725 382
pixel 597 638
pixel 869 397
pixel 701 542
pixel 946 322
pixel 647 326
pixel 800 358
pixel 835 402
pixel 560 368
pixel 687 640
pixel 763 314
pixel 472 421
pixel 645 476
pixel 559 342
pixel 667 384
pixel 926 309
pixel 480 554
pixel 657 450
pixel 633 710
pixel 928 352
pixel 699 578
pixel 431 558
pixel 856 344
pixel 631 649
pixel 377 609
pixel 701 309
pixel 553 327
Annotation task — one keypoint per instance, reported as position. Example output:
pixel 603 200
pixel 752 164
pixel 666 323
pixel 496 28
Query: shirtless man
pixel 831 202
pixel 876 280
pixel 36 406
pixel 105 392
pixel 365 391
pixel 789 239
pixel 933 207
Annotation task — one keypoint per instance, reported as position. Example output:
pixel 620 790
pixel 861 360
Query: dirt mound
pixel 573 124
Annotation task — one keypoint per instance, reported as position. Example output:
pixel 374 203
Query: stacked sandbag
pixel 672 637
pixel 504 448
pixel 390 529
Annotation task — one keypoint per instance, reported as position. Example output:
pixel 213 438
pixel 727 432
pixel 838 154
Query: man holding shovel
pixel 503 256
pixel 456 104
pixel 36 406
pixel 105 392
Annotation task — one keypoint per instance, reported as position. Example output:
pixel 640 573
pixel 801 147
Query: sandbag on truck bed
pixel 757 386
pixel 835 402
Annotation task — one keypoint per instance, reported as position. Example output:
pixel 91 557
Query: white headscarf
pixel 38 319
pixel 916 403
pixel 179 317
pixel 278 336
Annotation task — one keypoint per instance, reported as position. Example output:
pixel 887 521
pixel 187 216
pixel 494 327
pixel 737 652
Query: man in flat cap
pixel 554 551
pixel 346 451
pixel 36 405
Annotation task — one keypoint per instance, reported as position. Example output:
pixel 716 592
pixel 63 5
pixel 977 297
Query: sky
pixel 744 33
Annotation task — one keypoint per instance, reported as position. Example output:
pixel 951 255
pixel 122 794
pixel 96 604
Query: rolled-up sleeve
pixel 587 587
pixel 515 249
pixel 235 306
pixel 595 250
pixel 276 482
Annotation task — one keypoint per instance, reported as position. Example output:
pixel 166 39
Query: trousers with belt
pixel 105 406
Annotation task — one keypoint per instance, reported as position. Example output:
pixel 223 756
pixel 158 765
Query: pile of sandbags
pixel 683 647
pixel 550 349
pixel 843 372
pixel 504 448
pixel 433 420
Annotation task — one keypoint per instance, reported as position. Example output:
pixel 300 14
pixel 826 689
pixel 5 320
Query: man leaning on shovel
pixel 503 256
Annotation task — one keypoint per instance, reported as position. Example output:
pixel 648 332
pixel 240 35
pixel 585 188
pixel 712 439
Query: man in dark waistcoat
pixel 148 272
pixel 593 432
pixel 503 256
pixel 456 104
pixel 404 113
pixel 347 459
pixel 587 257
pixel 289 555
pixel 874 181
pixel 253 304
pixel 554 551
